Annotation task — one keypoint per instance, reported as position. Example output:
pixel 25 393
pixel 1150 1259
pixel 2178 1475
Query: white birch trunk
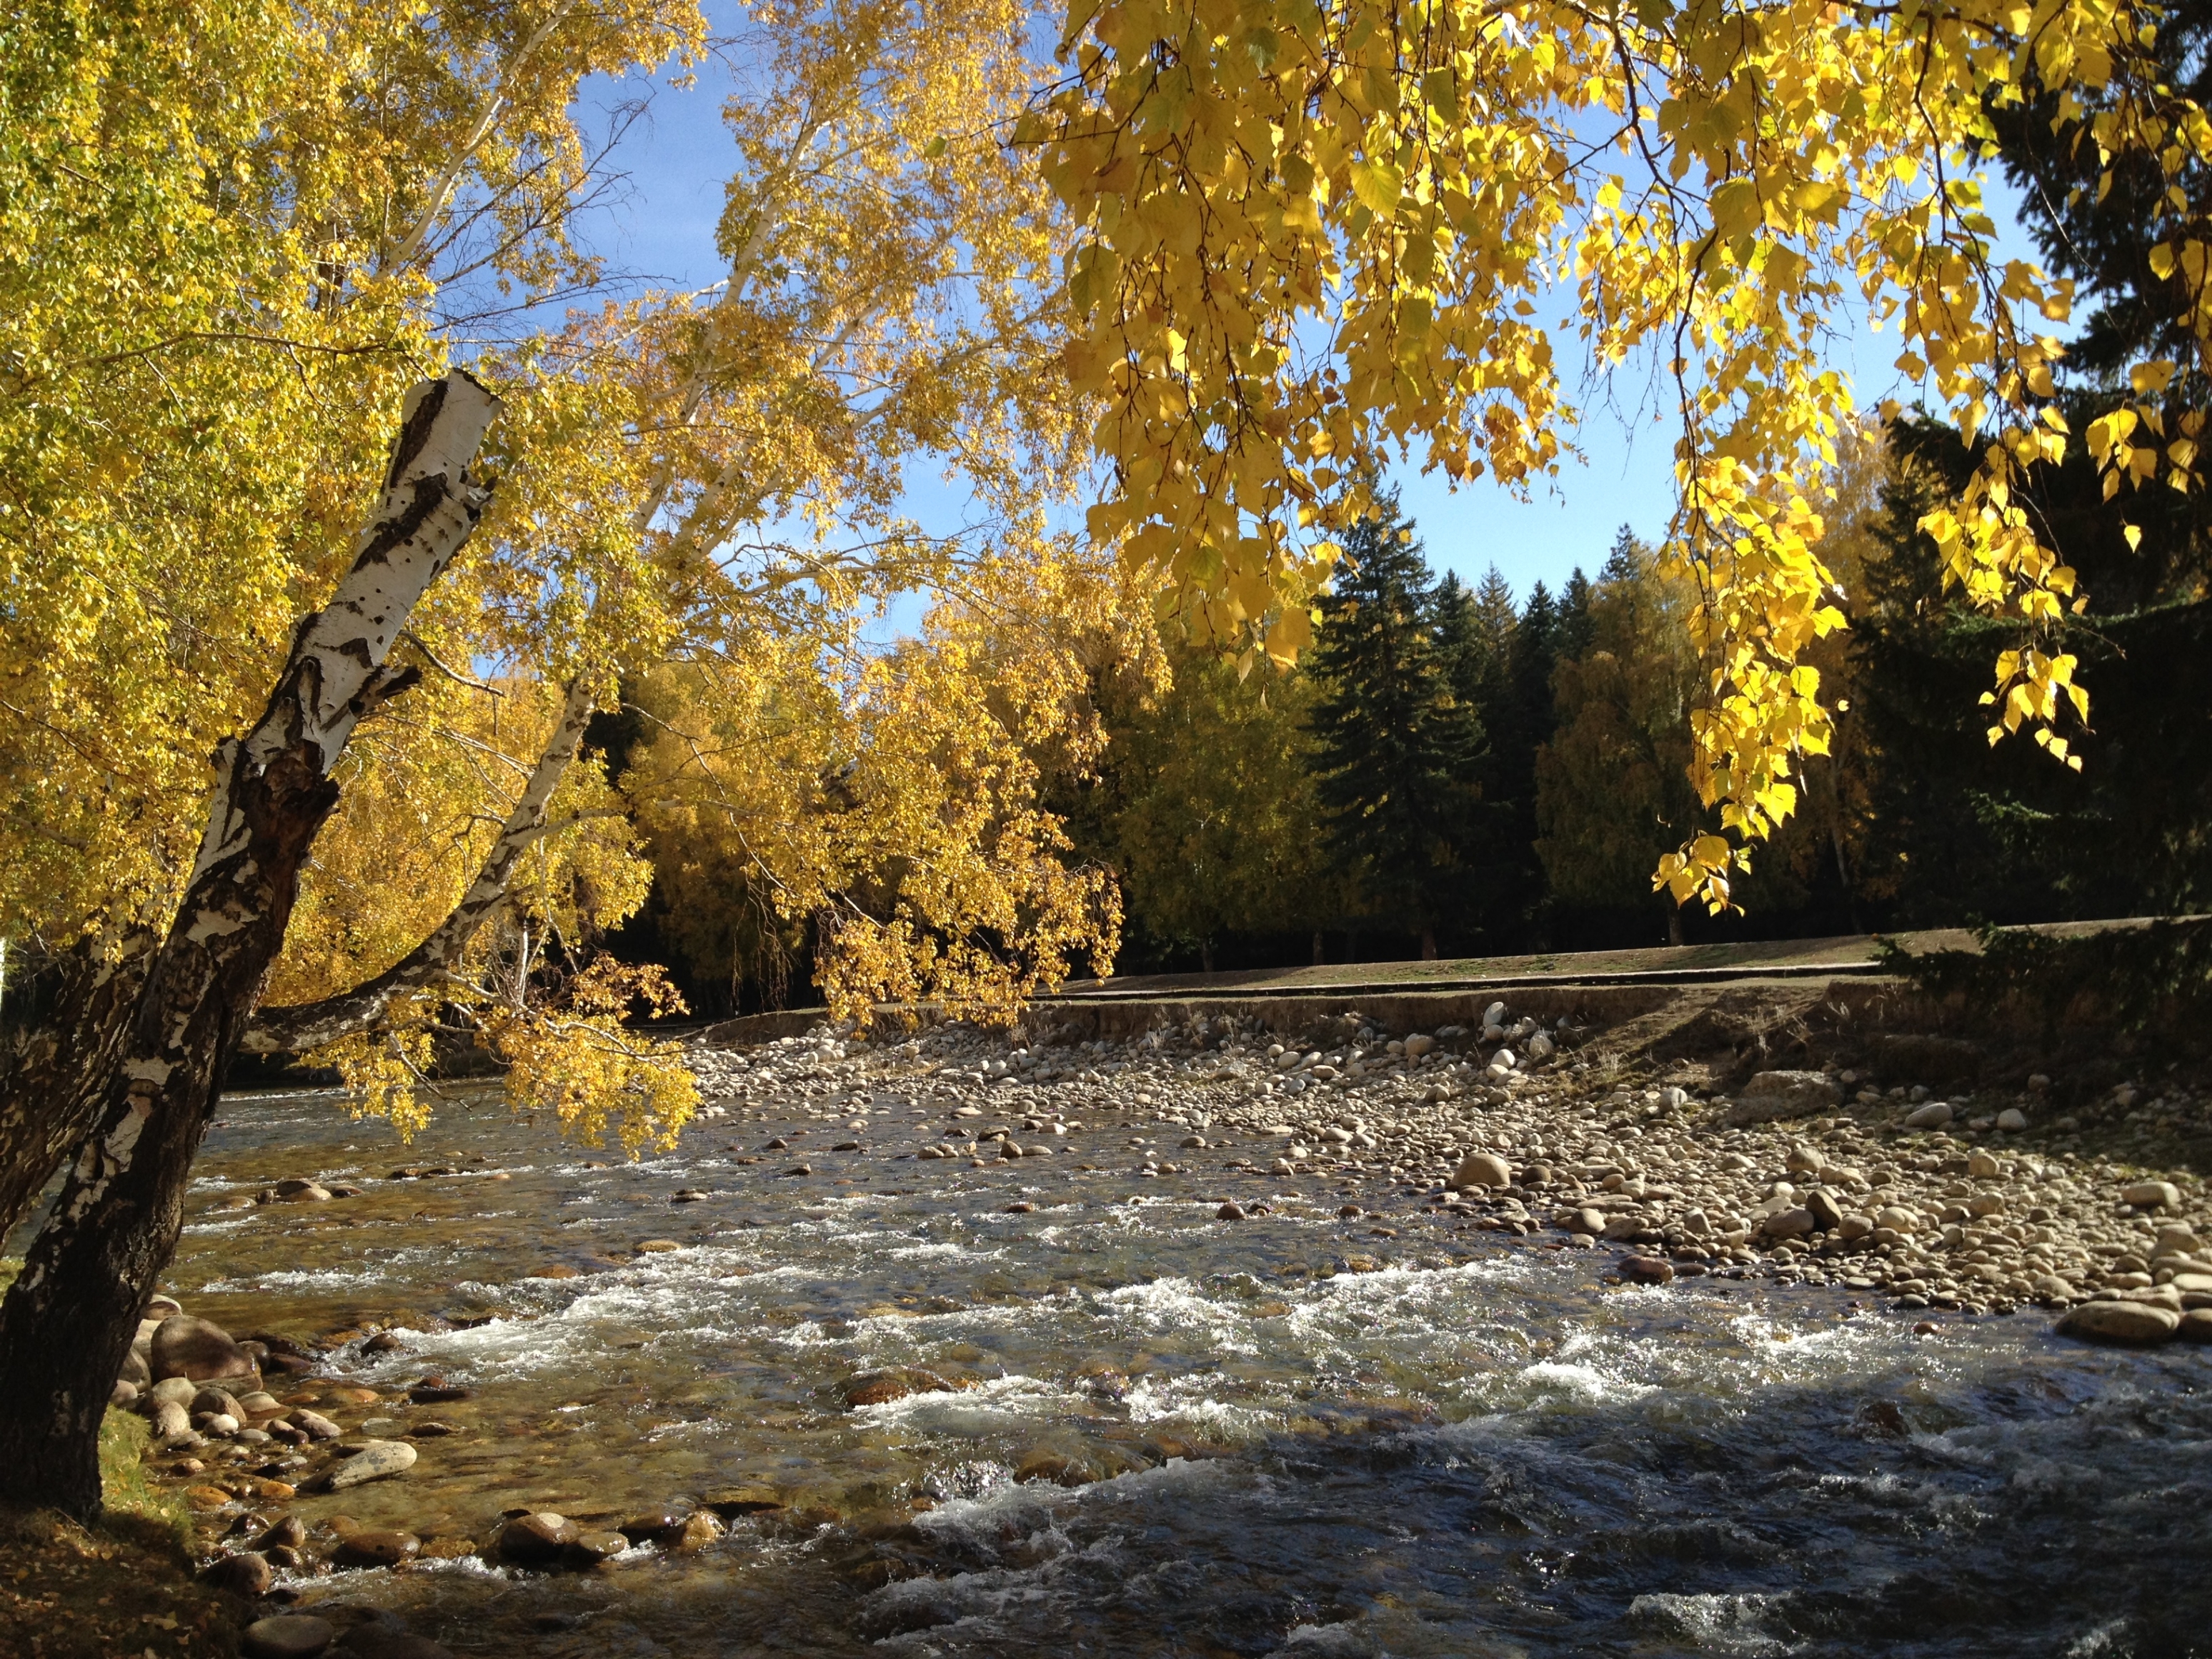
pixel 69 1318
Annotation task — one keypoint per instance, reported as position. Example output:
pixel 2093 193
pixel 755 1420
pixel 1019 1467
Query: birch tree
pixel 68 1318
pixel 234 233
pixel 736 462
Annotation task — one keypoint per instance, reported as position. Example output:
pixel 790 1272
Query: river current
pixel 1141 1430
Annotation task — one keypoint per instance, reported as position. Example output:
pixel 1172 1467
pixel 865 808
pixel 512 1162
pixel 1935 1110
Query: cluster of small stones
pixel 1826 1178
pixel 241 1454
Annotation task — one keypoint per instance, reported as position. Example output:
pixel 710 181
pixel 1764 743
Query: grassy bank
pixel 124 1585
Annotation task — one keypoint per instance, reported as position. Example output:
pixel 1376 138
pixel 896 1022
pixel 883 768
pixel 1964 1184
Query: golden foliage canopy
pixel 1318 230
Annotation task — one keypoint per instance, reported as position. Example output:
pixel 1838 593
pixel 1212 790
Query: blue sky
pixel 660 227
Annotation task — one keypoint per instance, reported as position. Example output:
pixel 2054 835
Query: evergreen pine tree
pixel 1400 752
pixel 1519 709
pixel 1625 560
pixel 1577 627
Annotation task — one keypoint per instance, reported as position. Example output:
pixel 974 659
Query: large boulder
pixel 2120 1322
pixel 196 1350
pixel 2152 1195
pixel 1773 1095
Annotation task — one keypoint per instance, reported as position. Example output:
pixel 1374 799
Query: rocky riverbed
pixel 906 1335
pixel 1877 1184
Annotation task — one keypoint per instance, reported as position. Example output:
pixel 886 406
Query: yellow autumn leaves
pixel 1293 239
pixel 1315 233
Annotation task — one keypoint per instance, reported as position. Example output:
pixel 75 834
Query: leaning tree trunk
pixel 69 1319
pixel 51 1067
pixel 51 1064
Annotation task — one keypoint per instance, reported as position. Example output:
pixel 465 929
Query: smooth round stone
pixel 875 1391
pixel 1483 1169
pixel 538 1536
pixel 371 1548
pixel 247 1574
pixel 289 1531
pixel 590 1548
pixel 1646 1270
pixel 376 1459
pixel 2120 1322
pixel 700 1529
pixel 652 1525
pixel 287 1636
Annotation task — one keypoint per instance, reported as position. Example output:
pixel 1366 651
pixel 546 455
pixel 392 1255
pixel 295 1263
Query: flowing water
pixel 1291 1435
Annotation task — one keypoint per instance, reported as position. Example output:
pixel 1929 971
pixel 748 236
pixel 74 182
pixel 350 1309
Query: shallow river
pixel 1299 1437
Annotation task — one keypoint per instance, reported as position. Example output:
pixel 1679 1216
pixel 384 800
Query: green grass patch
pixel 125 1493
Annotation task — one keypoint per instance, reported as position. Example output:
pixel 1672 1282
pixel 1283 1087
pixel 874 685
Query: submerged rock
pixel 375 1461
pixel 371 1548
pixel 383 1641
pixel 287 1636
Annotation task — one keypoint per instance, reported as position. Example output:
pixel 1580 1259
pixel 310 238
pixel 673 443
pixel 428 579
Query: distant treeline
pixel 1457 771
pixel 1453 772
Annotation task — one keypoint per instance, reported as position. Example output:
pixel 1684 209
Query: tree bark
pixel 51 1066
pixel 1675 924
pixel 70 1316
pixel 1428 944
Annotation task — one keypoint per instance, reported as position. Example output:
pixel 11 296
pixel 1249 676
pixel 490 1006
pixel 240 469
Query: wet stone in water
pixel 286 1635
pixel 370 1548
pixel 537 1538
pixel 377 1459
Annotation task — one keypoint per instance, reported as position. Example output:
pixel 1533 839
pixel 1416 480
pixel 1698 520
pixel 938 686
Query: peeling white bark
pixel 337 672
pixel 69 1316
